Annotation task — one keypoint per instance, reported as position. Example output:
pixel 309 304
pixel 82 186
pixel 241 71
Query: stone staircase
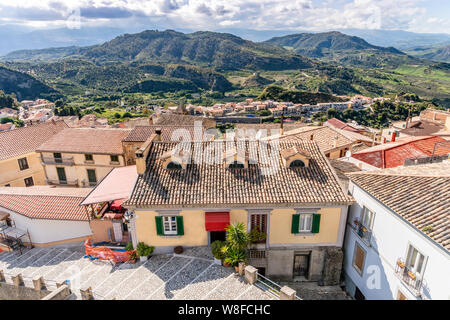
pixel 191 276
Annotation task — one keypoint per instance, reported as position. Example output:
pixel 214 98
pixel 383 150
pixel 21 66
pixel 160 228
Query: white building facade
pixel 387 257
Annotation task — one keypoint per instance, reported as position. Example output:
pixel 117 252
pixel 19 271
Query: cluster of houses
pixel 335 204
pixel 276 109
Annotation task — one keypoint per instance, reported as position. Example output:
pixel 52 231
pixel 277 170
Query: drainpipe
pixel 132 229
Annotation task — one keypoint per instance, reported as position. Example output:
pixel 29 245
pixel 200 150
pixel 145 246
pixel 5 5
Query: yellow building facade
pixel 22 171
pixel 80 170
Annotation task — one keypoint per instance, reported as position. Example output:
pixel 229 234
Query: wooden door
pixel 61 175
pixel 301 264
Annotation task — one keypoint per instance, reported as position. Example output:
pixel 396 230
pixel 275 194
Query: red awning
pixel 116 204
pixel 217 221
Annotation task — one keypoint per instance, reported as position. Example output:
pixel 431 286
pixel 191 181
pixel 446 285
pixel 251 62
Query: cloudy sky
pixel 314 15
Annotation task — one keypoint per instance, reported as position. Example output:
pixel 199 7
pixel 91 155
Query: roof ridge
pixel 36 125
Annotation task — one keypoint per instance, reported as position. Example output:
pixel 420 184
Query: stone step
pixel 41 261
pixel 106 287
pixel 74 270
pixel 26 257
pixel 231 288
pixel 153 283
pixel 69 265
pixel 98 276
pixel 205 283
pixel 42 255
pixel 180 280
pixel 129 287
pixel 257 293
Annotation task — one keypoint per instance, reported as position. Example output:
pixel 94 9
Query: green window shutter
pixel 180 226
pixel 159 226
pixel 295 222
pixel 316 223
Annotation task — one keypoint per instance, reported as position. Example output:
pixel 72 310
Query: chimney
pixel 335 142
pixel 282 124
pixel 393 137
pixel 158 134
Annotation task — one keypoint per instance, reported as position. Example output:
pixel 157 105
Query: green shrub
pixel 129 246
pixel 235 255
pixel 255 235
pixel 216 249
pixel 144 250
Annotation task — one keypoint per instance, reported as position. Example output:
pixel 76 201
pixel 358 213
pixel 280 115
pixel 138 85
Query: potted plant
pixel 133 257
pixel 178 249
pixel 256 236
pixel 143 251
pixel 129 246
pixel 237 237
pixel 400 264
pixel 234 256
pixel 217 252
pixel 237 241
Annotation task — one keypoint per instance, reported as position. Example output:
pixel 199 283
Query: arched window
pixel 174 166
pixel 236 165
pixel 297 164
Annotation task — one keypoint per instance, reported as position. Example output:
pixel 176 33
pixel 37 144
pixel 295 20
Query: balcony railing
pixel 86 183
pixel 362 231
pixel 409 278
pixel 256 254
pixel 62 182
pixel 66 161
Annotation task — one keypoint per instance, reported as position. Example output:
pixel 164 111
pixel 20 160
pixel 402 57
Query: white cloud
pixel 248 14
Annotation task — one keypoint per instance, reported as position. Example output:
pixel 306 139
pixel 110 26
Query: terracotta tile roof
pixel 269 126
pixel 324 136
pixel 45 203
pixel 27 139
pixel 142 133
pixel 419 194
pixel 422 128
pixel 394 154
pixel 215 185
pixel 338 124
pixel 172 119
pixel 86 140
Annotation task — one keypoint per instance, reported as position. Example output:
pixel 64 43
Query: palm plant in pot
pixel 237 242
pixel 234 256
pixel 143 251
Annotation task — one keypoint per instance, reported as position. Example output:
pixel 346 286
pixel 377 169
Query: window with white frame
pixel 170 225
pixel 305 222
pixel 367 217
pixel 415 260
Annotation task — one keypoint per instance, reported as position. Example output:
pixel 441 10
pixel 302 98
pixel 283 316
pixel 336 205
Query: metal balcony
pixel 362 231
pixel 55 182
pixel 411 280
pixel 66 161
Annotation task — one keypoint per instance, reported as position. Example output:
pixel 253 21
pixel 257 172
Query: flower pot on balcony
pixel 400 264
pixel 411 275
pixel 236 268
pixel 217 261
pixel 143 259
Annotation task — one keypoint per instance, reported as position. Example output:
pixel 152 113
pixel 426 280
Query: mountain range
pixel 154 61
